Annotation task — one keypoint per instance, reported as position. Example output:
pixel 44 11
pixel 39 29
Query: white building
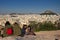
pixel 24 19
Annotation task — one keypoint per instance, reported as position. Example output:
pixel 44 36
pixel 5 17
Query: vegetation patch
pixel 45 26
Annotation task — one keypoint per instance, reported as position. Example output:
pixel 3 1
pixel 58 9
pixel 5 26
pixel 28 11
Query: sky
pixel 29 6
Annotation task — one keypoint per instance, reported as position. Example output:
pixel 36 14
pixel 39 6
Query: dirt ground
pixel 42 35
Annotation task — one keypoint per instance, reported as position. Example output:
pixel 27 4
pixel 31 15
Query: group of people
pixel 10 30
pixel 27 31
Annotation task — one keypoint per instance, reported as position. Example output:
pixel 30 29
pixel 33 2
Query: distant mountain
pixel 23 13
pixel 48 12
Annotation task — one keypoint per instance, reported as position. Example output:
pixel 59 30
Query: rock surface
pixel 42 35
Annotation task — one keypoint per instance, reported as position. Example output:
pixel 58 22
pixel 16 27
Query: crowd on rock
pixel 12 30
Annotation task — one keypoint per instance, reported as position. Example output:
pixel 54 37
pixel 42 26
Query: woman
pixel 8 30
pixel 29 31
pixel 16 29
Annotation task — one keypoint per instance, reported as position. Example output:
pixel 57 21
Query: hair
pixel 2 28
pixel 29 27
pixel 24 26
pixel 7 23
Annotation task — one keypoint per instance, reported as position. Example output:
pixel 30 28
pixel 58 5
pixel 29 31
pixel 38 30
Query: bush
pixel 45 26
pixel 58 26
pixel 33 25
pixel 0 33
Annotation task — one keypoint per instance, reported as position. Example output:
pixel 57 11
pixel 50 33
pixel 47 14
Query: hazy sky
pixel 27 6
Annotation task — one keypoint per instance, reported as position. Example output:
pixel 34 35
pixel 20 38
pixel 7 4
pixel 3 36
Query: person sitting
pixel 23 30
pixel 8 30
pixel 29 31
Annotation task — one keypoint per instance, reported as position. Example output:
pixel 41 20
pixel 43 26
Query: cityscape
pixel 29 19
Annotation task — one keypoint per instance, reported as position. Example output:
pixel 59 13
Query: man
pixel 23 30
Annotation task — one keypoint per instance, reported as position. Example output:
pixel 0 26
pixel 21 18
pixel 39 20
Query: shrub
pixel 58 27
pixel 33 25
pixel 45 26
